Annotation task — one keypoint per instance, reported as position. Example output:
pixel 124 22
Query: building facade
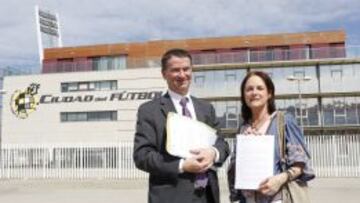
pixel 75 108
pixel 327 103
pixel 77 119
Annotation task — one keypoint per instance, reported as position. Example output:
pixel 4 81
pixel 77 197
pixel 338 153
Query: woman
pixel 259 115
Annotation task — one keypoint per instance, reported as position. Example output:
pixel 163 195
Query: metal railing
pixel 274 54
pixel 332 156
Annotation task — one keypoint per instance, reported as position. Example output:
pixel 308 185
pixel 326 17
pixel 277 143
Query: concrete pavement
pixel 327 190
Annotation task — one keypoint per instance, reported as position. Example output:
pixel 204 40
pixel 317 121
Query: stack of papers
pixel 254 160
pixel 185 134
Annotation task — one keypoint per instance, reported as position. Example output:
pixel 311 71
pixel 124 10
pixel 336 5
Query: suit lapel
pixel 199 111
pixel 167 105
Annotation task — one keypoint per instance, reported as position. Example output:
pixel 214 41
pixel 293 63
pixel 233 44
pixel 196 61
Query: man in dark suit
pixel 174 179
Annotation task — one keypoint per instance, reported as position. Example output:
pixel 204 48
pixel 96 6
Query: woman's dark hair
pixel 181 53
pixel 245 110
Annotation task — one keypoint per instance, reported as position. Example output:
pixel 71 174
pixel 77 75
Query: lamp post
pixel 299 80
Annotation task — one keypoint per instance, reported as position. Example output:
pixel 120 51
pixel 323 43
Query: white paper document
pixel 184 134
pixel 254 160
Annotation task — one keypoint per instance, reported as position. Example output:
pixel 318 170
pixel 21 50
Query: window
pixel 299 73
pixel 64 87
pixel 88 116
pixel 339 112
pixel 310 110
pixel 232 115
pixel 83 86
pixel 227 113
pixel 336 74
pixel 301 114
pixel 104 63
pixel 199 80
pixel 89 86
pixel 230 76
pixel 65 65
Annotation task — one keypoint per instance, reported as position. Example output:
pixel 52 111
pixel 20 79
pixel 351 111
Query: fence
pixel 332 156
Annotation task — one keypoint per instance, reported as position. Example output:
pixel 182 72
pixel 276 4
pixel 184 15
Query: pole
pixel 300 106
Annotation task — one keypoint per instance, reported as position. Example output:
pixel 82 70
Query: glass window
pixel 299 73
pixel 92 86
pixel 75 116
pixel 72 87
pixel 280 76
pixel 220 110
pixel 83 86
pixel 227 112
pixel 351 111
pixel 88 116
pixel 89 86
pixel 109 63
pixel 105 85
pixel 63 117
pixel 199 80
pixel 64 87
pixel 339 78
pixel 336 74
pixel 328 112
pixel 217 83
pixel 309 110
pixel 341 111
pixel 232 115
pixel 230 76
pixel 119 62
pixel 113 85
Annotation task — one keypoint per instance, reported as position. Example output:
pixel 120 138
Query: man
pixel 173 179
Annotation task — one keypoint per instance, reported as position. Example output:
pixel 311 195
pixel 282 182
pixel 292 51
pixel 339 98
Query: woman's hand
pixel 271 186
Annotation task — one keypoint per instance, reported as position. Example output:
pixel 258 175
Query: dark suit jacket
pixel 166 184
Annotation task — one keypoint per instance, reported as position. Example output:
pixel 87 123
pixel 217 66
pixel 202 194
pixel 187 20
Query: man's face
pixel 178 74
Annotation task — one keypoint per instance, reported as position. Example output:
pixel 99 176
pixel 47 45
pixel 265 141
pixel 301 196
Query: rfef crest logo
pixel 25 102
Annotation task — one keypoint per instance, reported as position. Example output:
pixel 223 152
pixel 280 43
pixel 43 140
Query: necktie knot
pixel 184 101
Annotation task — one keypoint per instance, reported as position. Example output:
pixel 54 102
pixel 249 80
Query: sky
pixel 88 22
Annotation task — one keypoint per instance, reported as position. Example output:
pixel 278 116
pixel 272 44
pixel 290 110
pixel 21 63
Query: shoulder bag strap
pixel 281 138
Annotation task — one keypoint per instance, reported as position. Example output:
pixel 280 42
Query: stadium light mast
pixel 48 30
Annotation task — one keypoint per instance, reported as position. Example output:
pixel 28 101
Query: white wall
pixel 44 126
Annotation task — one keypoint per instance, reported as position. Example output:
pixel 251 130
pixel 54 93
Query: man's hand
pixel 201 160
pixel 192 165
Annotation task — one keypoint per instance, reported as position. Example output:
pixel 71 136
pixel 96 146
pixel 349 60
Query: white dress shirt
pixel 175 98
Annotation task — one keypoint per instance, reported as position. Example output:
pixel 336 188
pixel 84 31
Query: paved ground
pixel 345 190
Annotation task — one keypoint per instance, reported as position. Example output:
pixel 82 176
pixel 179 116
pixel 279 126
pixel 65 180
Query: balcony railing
pixel 254 56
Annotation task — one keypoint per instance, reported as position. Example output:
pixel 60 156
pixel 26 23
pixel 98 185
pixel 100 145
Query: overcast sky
pixel 86 22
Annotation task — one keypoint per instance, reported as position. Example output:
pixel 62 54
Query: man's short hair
pixel 181 53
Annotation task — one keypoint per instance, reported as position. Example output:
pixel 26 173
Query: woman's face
pixel 256 93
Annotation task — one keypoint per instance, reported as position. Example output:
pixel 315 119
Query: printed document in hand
pixel 184 134
pixel 254 160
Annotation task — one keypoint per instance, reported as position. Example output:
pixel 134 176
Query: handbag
pixel 294 191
